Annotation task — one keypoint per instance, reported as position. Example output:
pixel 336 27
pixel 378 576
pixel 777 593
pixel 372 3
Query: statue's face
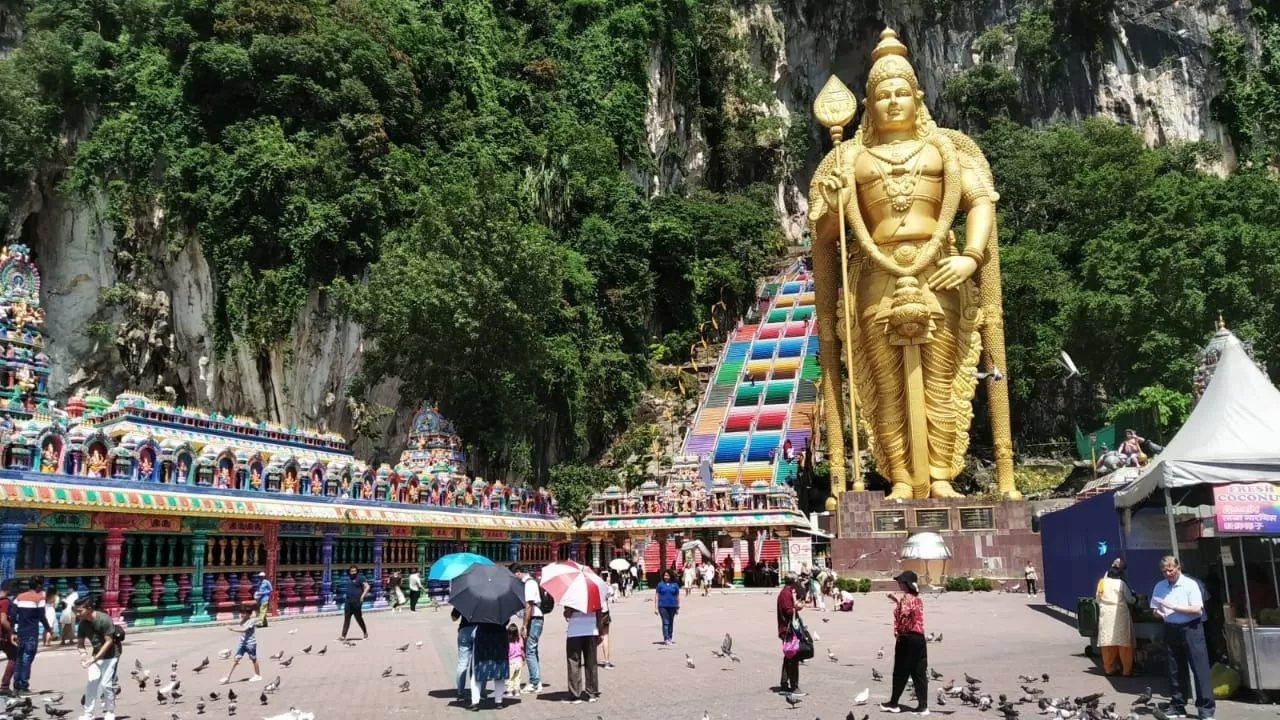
pixel 894 105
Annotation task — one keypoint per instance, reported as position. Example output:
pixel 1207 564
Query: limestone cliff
pixel 138 314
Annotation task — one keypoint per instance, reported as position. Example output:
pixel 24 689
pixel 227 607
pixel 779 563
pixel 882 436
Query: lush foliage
pixel 1250 104
pixel 461 173
pixel 573 486
pixel 1123 257
pixel 854 585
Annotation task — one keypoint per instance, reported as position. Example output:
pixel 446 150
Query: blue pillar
pixel 515 547
pixel 199 608
pixel 379 599
pixel 10 534
pixel 326 575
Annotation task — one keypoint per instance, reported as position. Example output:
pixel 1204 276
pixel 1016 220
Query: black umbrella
pixel 486 594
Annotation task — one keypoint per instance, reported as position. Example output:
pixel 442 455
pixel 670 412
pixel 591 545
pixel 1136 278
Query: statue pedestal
pixel 986 538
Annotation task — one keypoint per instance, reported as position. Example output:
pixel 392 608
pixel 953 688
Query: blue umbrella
pixel 451 566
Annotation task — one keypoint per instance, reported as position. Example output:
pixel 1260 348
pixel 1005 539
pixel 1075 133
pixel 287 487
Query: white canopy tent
pixel 1233 435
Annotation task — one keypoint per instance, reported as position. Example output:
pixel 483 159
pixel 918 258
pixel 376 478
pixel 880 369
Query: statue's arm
pixel 978 198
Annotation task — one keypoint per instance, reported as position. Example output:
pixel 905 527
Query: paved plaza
pixel 992 636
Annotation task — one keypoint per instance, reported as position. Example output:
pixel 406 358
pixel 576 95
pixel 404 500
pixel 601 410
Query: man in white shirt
pixel 415 589
pixel 580 652
pixel 532 626
pixel 1179 601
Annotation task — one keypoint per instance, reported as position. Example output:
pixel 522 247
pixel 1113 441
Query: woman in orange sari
pixel 1115 625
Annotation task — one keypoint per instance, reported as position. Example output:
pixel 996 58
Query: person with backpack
pixel 28 617
pixel 537 602
pixel 107 641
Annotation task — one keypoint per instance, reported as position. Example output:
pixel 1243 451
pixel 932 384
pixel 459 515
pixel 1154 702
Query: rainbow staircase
pixel 763 393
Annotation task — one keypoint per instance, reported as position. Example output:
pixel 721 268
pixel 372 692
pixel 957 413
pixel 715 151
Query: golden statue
pixel 920 322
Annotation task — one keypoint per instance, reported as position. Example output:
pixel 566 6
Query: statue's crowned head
pixel 894 100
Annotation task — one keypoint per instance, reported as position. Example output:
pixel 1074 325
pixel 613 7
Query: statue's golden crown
pixel 889 60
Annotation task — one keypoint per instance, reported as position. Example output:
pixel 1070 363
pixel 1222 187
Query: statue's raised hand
pixel 836 188
pixel 952 271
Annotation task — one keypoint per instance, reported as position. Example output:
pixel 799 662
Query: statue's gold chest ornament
pixel 899 180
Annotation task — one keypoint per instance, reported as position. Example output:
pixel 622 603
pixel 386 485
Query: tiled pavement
pixel 994 637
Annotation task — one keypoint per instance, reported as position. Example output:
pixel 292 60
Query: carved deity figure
pixel 97 463
pixel 290 481
pixel 49 458
pixel 255 478
pixel 224 477
pixel 919 321
pixel 144 466
pixel 317 487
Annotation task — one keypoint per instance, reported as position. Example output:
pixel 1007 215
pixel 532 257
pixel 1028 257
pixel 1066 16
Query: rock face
pixel 115 322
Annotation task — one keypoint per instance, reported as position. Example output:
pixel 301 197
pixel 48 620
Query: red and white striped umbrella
pixel 575 586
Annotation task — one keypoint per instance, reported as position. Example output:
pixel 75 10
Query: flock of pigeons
pixel 170 693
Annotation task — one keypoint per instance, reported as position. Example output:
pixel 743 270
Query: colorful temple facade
pixel 170 513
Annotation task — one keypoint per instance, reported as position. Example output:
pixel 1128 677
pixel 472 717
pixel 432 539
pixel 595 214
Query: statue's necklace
pixel 900 181
pixel 895 156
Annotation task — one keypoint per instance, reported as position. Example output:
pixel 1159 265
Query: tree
pixel 573 485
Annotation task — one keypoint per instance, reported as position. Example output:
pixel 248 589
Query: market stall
pixel 1218 479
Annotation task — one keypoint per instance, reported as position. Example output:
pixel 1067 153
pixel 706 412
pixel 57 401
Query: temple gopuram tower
pixel 24 372
pixel 1207 362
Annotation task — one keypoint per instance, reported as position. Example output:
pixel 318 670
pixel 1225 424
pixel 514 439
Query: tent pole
pixel 1248 606
pixel 1275 584
pixel 1226 581
pixel 1173 532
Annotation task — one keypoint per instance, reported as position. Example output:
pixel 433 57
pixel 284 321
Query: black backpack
pixel 546 603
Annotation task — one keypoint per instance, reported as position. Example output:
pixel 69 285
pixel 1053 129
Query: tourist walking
pixel 248 643
pixel 393 586
pixel 466 646
pixel 910 654
pixel 580 654
pixel 690 578
pixel 1030 576
pixel 97 628
pixel 603 641
pixel 667 605
pixel 262 596
pixel 8 641
pixel 489 663
pixel 415 589
pixel 1178 600
pixel 1115 624
pixel 67 620
pixel 30 619
pixel 357 589
pixel 532 626
pixel 788 632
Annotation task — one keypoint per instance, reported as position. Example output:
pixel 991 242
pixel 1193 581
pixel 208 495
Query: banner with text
pixel 1247 508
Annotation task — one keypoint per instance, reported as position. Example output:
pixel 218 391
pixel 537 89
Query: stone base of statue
pixel 991 538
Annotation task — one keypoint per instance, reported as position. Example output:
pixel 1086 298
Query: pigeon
pixel 199 707
pixel 277 656
pixel 862 697
pixel 56 712
pixel 203 664
pixel 323 650
pixel 160 698
pixel 286 663
pixel 231 709
pixel 387 673
pixel 418 644
pixel 792 700
pixel 224 653
pixel 831 656
pixel 875 675
pixel 1143 700
pixel 173 665
pixel 263 698
pixel 307 650
pixel 735 658
pixel 726 646
pixel 706 715
pixel 1044 677
pixel 293 631
pixel 404 686
pixel 214 695
pixel 137 664
pixel 272 686
pixel 56 698
pixel 403 647
pixel 880 655
pixel 688 661
pixel 971 679
pixel 942 698
pixel 934 674
pixel 826 620
pixel 231 695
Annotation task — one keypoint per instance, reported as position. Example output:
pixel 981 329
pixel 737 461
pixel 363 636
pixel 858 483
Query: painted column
pixel 573 551
pixel 379 598
pixel 555 550
pixel 10 534
pixel 326 575
pixel 199 608
pixel 271 543
pixel 422 557
pixel 738 573
pixel 515 547
pixel 111 583
pixel 595 551
pixel 784 549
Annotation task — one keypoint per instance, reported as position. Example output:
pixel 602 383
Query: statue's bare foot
pixel 900 491
pixel 943 489
pixel 1013 495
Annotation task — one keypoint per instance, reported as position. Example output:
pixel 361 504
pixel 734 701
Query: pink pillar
pixel 111 584
pixel 271 543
